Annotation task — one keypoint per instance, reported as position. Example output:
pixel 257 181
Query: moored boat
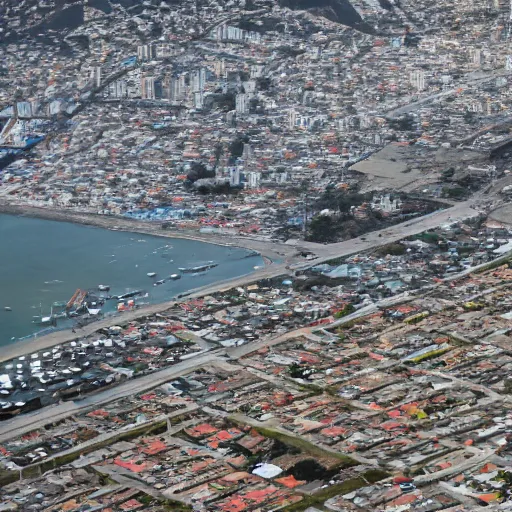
pixel 199 268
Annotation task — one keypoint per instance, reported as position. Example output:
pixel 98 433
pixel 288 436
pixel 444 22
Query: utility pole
pixel 305 223
pixel 304 187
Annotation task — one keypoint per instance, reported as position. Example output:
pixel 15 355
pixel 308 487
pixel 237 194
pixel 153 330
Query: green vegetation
pixel 298 371
pixel 457 340
pixel 454 192
pixel 35 470
pixel 430 355
pixel 394 249
pixel 8 477
pixel 176 506
pixel 317 499
pixel 414 319
pixel 507 386
pixel 348 325
pixel 313 389
pixel 498 262
pixel 301 444
pixel 428 237
pixel 349 308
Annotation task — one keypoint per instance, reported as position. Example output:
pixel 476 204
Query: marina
pixel 71 275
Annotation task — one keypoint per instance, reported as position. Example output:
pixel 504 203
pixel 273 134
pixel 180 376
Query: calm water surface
pixel 45 261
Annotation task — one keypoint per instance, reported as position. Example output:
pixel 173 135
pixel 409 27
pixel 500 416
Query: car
pixel 407 487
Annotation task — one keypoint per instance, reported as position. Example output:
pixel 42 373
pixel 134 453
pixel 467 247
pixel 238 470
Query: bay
pixel 44 261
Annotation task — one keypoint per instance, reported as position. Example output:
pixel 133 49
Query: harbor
pixel 70 275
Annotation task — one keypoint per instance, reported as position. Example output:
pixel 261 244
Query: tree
pixel 321 228
pixel 469 117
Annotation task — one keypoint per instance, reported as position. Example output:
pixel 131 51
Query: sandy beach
pixel 275 255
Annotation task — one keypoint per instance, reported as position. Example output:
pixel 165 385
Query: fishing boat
pixel 76 303
pixel 59 310
pixel 199 268
pixel 44 320
pixel 129 294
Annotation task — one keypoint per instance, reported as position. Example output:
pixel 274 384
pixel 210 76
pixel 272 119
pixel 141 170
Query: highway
pixel 385 236
pixel 37 419
pixel 323 252
pixel 465 82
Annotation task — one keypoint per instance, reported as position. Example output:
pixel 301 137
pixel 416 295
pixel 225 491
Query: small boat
pixel 128 295
pixel 7 308
pixel 151 274
pixel 103 287
pixel 161 281
pixel 44 320
pixel 174 277
pixel 200 268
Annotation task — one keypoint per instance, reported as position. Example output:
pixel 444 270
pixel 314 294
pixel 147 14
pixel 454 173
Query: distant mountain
pixel 339 11
pixel 37 18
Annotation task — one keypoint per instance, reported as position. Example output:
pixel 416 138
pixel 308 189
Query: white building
pixel 145 52
pixel 257 71
pixel 199 80
pixel 253 180
pixel 165 50
pixel 95 76
pixel 234 177
pixel 178 89
pixel 475 57
pixel 242 104
pixel 417 79
pixel 118 89
pixel 292 119
pixel 198 100
pixel 385 204
pixel 147 88
pixel 220 68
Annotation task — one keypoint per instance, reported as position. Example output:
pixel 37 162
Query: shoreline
pixel 35 344
pixel 270 251
pixel 290 263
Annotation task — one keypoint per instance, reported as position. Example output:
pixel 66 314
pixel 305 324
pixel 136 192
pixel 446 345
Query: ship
pixel 129 294
pixel 44 321
pixel 199 268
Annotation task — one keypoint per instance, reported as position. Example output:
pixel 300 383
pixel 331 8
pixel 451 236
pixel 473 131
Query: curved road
pixel 323 252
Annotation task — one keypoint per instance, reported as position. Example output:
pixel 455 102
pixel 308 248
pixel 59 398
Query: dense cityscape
pixel 361 153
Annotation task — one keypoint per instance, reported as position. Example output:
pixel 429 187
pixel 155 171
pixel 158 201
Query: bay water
pixel 43 261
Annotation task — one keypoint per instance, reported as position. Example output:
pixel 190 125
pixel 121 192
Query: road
pixel 37 419
pixel 468 80
pixel 476 460
pixel 385 236
pixel 323 252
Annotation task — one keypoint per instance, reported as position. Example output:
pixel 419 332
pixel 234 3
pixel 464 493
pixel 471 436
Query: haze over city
pixel 255 255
